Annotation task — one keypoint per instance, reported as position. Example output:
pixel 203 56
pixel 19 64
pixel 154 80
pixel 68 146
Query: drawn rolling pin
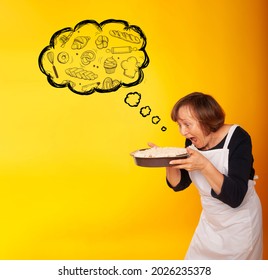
pixel 118 50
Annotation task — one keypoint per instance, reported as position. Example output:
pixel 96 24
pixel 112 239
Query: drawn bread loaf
pixel 125 36
pixel 80 73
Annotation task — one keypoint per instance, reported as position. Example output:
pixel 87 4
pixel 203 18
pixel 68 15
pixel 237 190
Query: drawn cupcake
pixel 110 65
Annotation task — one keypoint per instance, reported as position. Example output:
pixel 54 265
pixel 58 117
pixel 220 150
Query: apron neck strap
pixel 229 135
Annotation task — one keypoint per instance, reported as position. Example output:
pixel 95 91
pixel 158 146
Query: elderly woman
pixel 220 165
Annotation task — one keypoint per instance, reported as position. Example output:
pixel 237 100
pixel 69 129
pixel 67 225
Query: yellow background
pixel 69 188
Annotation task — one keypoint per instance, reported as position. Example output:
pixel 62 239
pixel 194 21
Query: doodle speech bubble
pixel 95 57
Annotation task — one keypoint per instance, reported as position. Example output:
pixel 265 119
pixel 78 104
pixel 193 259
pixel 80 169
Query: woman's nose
pixel 183 130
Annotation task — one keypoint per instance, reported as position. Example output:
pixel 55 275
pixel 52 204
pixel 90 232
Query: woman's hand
pixel 151 145
pixel 195 161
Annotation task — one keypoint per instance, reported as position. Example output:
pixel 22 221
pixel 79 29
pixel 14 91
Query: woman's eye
pixel 180 125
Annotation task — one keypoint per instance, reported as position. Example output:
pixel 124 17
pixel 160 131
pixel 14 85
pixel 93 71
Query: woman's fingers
pixel 177 162
pixel 190 151
pixel 150 144
pixel 181 164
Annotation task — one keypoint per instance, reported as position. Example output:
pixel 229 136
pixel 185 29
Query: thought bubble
pixel 95 57
pixel 133 99
pixel 145 111
pixel 155 120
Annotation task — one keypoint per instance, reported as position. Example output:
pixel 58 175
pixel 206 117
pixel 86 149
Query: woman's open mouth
pixel 193 140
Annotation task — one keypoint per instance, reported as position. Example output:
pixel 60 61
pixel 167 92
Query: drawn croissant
pixel 80 42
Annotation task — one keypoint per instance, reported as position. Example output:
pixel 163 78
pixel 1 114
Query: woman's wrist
pixel 173 176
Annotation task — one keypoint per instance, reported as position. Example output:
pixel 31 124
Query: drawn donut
pixel 63 57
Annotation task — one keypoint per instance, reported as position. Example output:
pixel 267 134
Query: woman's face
pixel 190 127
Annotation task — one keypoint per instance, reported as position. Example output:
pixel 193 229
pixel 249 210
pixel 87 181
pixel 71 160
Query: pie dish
pixel 158 156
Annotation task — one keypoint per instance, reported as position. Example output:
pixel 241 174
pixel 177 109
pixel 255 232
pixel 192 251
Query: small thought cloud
pixel 155 120
pixel 133 99
pixel 145 111
pixel 95 57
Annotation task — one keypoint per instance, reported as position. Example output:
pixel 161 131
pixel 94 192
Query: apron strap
pixel 229 135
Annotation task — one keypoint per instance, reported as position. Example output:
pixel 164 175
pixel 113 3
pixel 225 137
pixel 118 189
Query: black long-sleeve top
pixel 235 183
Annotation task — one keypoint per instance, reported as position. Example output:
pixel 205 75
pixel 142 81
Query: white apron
pixel 224 232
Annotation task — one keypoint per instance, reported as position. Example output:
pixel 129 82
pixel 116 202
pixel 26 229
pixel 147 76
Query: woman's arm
pixel 173 176
pixel 176 179
pixel 231 188
pixel 184 182
pixel 196 161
